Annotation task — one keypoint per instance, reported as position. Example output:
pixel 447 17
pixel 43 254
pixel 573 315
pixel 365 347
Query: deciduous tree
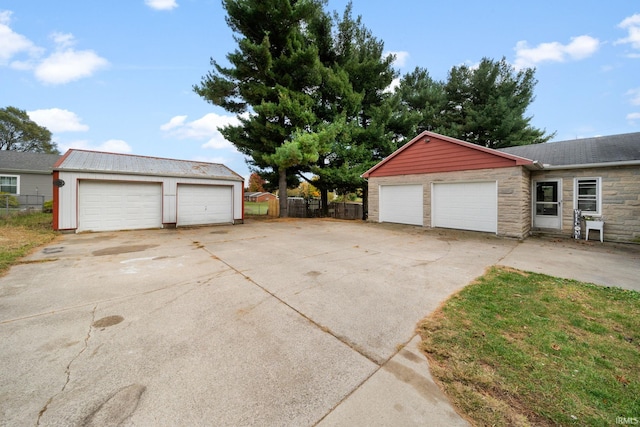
pixel 256 183
pixel 19 133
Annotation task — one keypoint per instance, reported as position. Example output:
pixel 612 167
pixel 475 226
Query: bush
pixel 47 206
pixel 13 201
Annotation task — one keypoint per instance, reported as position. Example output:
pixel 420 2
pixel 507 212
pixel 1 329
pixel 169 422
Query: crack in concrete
pixel 513 248
pixel 379 366
pixel 123 297
pixel 323 328
pixel 68 369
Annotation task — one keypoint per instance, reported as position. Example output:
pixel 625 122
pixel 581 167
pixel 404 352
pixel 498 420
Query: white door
pixel 204 204
pixel 116 205
pixel 465 205
pixel 547 204
pixel 402 204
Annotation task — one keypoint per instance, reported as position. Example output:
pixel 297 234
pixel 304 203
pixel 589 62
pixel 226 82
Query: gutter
pixel 592 165
pixel 35 172
pixel 234 177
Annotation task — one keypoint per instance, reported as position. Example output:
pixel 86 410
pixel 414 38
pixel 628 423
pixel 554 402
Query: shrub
pixel 10 198
pixel 47 206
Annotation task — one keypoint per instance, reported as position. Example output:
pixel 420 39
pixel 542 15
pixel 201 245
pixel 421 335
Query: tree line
pixel 312 93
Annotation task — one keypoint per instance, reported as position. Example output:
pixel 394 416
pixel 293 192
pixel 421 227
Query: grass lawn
pixel 20 233
pixel 519 348
pixel 255 208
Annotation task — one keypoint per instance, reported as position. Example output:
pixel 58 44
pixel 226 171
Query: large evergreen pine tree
pixel 271 75
pixel 353 98
pixel 485 104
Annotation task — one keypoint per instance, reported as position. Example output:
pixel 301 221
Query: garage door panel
pixel 115 205
pixel 204 204
pixel 402 204
pixel 466 206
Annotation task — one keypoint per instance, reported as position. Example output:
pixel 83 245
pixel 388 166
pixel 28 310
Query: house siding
pixel 514 206
pixel 620 199
pixel 439 156
pixel 66 217
pixel 32 184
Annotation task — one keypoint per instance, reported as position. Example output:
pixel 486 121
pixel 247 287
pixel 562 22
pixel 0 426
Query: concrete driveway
pixel 308 322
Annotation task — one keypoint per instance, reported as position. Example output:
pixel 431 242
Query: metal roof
pixel 602 149
pixel 94 161
pixel 20 161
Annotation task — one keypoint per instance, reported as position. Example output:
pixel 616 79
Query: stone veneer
pixel 620 199
pixel 514 195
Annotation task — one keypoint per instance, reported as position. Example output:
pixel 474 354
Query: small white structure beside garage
pixel 96 191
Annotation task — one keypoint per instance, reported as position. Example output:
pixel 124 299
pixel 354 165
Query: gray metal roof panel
pixel 28 162
pixel 94 161
pixel 601 149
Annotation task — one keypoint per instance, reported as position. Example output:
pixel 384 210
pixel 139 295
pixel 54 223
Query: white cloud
pixel 161 4
pixel 110 146
pixel 58 120
pixel 635 96
pixel 580 47
pixel 63 40
pixel 63 65
pixel 205 127
pixel 66 64
pixel 12 43
pixel 633 118
pixel 632 25
pixel 392 87
pixel 175 122
pixel 401 58
pixel 215 159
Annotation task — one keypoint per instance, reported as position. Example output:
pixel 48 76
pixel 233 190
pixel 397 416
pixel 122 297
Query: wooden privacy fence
pixel 312 208
pixel 345 210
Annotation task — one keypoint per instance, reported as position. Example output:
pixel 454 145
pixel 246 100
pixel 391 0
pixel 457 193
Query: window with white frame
pixel 9 184
pixel 588 196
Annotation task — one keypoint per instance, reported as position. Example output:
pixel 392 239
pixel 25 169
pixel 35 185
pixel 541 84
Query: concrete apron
pixel 266 323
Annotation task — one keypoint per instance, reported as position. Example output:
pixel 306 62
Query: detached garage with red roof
pixel 95 191
pixel 438 181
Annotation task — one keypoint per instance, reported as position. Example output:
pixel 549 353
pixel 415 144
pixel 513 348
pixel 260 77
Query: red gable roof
pixel 430 152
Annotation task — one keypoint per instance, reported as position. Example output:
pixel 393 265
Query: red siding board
pixel 438 155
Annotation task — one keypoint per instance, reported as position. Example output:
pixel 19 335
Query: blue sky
pixel 118 75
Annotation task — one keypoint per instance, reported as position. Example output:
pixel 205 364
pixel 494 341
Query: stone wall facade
pixel 620 199
pixel 514 195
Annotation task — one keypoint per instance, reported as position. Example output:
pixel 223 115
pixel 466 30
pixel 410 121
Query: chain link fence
pixel 12 203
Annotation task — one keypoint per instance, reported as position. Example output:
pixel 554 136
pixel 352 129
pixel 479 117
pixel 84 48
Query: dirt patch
pixel 122 250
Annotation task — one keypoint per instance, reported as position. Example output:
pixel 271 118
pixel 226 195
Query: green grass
pixel 21 233
pixel 255 208
pixel 519 348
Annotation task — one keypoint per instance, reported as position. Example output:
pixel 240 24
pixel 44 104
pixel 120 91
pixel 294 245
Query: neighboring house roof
pixel 431 152
pixel 95 161
pixel 26 162
pixel 586 151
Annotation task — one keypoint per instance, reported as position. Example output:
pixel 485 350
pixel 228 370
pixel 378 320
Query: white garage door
pixel 466 206
pixel 401 204
pixel 204 204
pixel 115 205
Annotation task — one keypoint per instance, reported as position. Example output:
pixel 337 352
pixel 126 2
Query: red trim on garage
pixel 56 202
pixel 431 152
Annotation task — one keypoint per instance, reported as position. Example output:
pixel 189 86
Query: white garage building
pixel 95 191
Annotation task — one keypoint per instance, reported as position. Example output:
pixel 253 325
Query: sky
pixel 117 75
